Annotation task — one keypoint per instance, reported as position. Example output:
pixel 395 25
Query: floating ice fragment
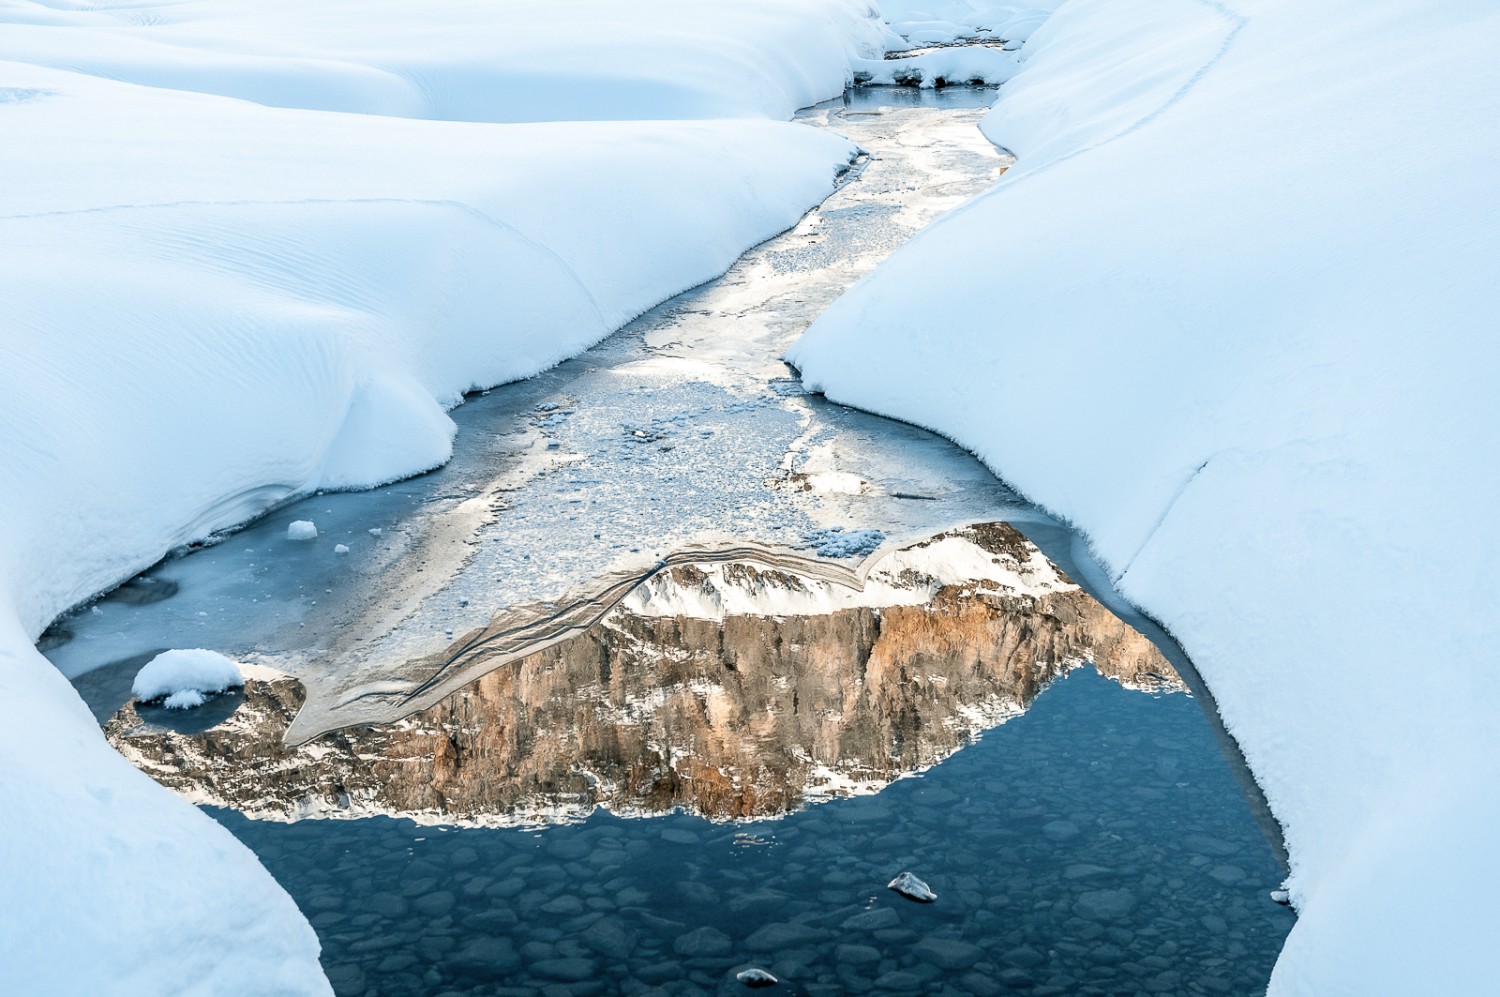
pixel 912 888
pixel 1282 897
pixel 755 978
pixel 302 529
pixel 185 699
pixel 375 531
pixel 341 548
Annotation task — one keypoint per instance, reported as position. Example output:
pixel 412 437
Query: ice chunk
pixel 194 670
pixel 912 888
pixel 755 978
pixel 302 529
pixel 341 548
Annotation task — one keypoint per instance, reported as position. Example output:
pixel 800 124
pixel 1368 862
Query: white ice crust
pixel 1245 265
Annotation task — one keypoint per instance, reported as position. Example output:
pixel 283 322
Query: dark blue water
pixel 1096 845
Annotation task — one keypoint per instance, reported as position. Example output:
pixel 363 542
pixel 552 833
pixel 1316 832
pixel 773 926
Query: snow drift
pixel 223 288
pixel 1232 313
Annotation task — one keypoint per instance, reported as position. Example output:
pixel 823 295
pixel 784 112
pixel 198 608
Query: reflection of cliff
pixel 733 716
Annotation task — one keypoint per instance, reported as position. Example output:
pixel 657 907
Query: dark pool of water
pixel 1096 845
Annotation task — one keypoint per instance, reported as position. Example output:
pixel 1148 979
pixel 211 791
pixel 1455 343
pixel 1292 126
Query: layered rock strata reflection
pixel 731 690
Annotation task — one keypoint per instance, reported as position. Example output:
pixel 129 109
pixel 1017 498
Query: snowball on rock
pixel 184 677
pixel 302 529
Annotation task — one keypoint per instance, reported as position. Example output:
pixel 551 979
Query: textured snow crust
pixel 1253 245
pixel 258 249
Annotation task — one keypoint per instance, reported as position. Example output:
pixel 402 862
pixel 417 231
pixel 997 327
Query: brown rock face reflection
pixel 743 716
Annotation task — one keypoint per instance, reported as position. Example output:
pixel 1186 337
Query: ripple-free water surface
pixel 1095 845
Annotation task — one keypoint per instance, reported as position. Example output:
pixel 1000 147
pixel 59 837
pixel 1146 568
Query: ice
pixel 193 670
pixel 341 548
pixel 184 699
pixel 1232 314
pixel 909 886
pixel 756 978
pixel 835 541
pixel 302 529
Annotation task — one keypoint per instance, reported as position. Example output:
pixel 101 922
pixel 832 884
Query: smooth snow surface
pixel 1253 246
pixel 194 670
pixel 258 249
pixel 465 60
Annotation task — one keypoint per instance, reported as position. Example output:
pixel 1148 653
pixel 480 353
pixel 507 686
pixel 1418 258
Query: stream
pixel 675 666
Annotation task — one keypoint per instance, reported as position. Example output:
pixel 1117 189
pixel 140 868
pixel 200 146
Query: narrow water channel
pixel 675 666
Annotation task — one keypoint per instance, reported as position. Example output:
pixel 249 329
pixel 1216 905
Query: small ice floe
pixel 912 888
pixel 185 678
pixel 1282 897
pixel 375 531
pixel 341 548
pixel 302 529
pixel 755 978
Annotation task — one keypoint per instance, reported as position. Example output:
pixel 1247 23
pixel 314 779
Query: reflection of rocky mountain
pixel 681 697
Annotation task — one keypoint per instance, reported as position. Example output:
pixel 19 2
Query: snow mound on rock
pixel 174 674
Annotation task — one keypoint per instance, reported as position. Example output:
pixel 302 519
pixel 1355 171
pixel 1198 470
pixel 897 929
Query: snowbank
pixel 185 670
pixel 1233 313
pixel 222 289
pixel 468 60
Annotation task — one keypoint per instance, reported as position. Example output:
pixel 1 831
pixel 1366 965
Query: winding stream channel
pixel 674 666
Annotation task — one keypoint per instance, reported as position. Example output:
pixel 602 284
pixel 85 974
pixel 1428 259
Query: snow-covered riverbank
pixel 1253 245
pixel 240 267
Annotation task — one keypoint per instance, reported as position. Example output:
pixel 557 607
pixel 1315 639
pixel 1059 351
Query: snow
pixel 254 250
pixel 194 670
pixel 908 576
pixel 1232 314
pixel 302 529
pixel 186 699
pixel 465 60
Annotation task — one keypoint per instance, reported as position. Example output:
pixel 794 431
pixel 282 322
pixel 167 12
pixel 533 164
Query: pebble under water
pixel 1095 845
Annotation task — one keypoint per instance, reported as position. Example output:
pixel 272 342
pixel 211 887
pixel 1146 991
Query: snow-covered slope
pixel 1233 313
pixel 471 60
pixel 209 304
